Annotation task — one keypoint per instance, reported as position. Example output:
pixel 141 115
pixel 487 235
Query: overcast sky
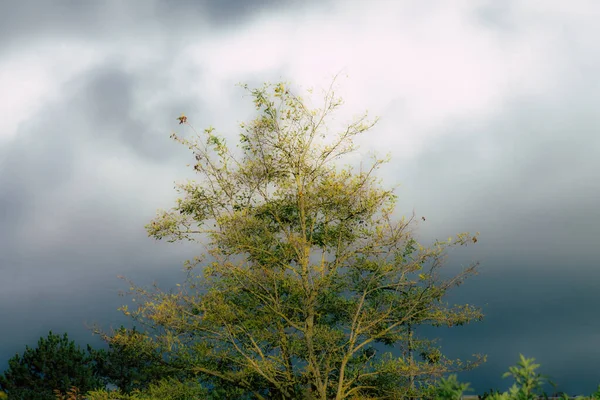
pixel 488 108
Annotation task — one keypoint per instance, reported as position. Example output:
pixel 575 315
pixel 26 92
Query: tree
pixel 165 389
pixel 308 274
pixel 129 367
pixel 56 364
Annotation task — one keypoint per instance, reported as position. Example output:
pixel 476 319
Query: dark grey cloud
pixel 24 21
pixel 109 97
pixel 536 192
pixel 66 232
pixel 533 310
pixel 106 96
pixel 534 199
pixel 27 169
pixel 222 13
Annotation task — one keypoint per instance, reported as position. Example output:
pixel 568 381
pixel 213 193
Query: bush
pixel 526 387
pixel 166 389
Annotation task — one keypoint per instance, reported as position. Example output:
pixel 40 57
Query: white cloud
pixel 418 68
pixel 33 77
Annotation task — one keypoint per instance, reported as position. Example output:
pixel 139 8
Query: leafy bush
pixel 451 389
pixel 166 389
pixel 487 395
pixel 526 387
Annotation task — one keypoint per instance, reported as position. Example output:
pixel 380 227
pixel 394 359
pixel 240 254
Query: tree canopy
pixel 129 369
pixel 308 286
pixel 55 364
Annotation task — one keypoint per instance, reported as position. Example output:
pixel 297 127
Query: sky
pixel 488 109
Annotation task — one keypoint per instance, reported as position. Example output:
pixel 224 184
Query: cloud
pixel 488 110
pixel 419 68
pixel 33 77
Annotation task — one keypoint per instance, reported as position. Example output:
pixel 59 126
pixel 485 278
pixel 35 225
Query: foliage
pixel 487 395
pixel 451 389
pixel 129 367
pixel 526 387
pixel 165 389
pixel 527 382
pixel 446 389
pixel 310 274
pixel 56 363
pixel 103 394
pixel 72 394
